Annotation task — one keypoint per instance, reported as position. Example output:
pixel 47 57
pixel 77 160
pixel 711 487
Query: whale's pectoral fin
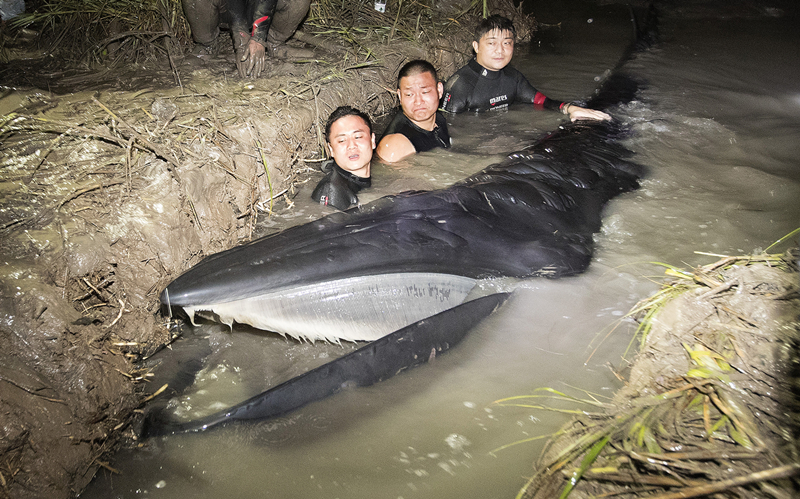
pixel 381 359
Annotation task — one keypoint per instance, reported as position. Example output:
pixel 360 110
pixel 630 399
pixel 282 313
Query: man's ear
pixel 330 149
pixel 440 89
pixel 475 46
pixel 373 140
pixel 398 94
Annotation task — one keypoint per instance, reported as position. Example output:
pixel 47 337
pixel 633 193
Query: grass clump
pixel 102 30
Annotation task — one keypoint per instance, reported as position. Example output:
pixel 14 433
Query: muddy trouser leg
pixel 204 18
pixel 288 15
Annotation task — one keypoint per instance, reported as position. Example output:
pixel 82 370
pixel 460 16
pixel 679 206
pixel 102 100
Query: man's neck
pixel 484 71
pixel 362 172
pixel 428 124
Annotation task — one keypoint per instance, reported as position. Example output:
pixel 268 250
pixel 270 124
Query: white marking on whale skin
pixel 362 308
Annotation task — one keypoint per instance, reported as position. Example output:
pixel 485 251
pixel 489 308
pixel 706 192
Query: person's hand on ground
pixel 241 44
pixel 256 58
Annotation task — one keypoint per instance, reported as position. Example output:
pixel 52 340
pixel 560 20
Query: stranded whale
pixel 361 274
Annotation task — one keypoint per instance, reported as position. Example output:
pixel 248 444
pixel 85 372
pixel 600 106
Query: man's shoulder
pixel 399 122
pixel 512 72
pixel 466 72
pixel 334 190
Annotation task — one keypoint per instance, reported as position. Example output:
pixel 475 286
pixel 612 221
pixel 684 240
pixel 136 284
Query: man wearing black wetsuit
pixel 255 25
pixel 350 143
pixel 488 82
pixel 418 125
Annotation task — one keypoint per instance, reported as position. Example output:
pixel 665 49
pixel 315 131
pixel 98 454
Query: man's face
pixel 351 144
pixel 419 96
pixel 495 49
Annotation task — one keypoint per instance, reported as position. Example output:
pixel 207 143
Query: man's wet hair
pixel 416 67
pixel 339 113
pixel 494 22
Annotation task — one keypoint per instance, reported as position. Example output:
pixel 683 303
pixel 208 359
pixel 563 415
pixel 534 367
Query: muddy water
pixel 719 129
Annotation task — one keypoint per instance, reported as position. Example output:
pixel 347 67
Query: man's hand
pixel 255 59
pixel 250 55
pixel 580 113
pixel 241 44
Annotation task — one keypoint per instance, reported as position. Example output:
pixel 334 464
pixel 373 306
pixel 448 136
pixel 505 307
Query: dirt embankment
pixel 114 182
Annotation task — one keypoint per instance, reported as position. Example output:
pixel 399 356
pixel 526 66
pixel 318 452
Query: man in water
pixel 487 82
pixel 418 126
pixel 350 142
pixel 256 25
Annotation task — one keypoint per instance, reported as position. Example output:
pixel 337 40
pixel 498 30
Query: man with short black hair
pixel 487 82
pixel 418 125
pixel 350 141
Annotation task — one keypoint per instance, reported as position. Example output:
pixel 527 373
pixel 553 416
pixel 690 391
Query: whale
pixel 398 272
pixel 399 351
pixel 365 274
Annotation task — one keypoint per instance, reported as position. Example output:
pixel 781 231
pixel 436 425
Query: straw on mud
pixel 154 394
pixel 66 21
pixel 119 316
pixel 587 461
pixel 266 170
pixel 785 471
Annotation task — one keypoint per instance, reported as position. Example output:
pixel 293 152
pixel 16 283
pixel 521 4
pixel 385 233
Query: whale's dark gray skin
pixel 533 214
pixel 377 361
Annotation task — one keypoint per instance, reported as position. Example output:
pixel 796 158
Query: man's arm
pixel 394 147
pixel 252 20
pixel 526 93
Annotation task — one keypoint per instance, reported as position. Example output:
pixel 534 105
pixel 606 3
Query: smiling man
pixel 350 143
pixel 418 126
pixel 487 82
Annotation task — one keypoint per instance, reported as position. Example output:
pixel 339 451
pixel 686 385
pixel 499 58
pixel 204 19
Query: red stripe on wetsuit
pixel 257 22
pixel 539 99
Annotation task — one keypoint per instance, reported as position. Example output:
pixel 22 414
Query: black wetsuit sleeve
pixel 457 91
pixel 238 15
pixel 260 18
pixel 528 94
